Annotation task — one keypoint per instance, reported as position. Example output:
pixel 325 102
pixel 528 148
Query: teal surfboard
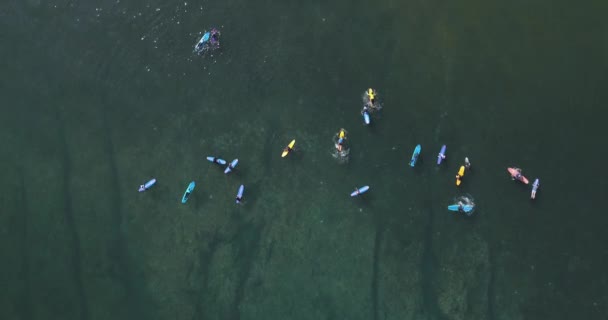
pixel 415 155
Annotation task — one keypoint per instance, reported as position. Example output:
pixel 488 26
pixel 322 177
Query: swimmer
pixel 340 139
pixel 467 164
pixel 215 37
pixel 371 97
pixel 341 135
pixel 370 100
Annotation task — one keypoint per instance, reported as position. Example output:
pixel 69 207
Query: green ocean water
pixel 99 97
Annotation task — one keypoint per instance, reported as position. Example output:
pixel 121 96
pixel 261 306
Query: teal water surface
pixel 100 97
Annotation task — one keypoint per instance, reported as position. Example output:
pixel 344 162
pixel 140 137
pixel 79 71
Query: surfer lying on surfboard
pixel 216 160
pixel 149 185
pixel 288 149
pixel 463 204
pixel 516 175
pixel 459 175
pixel 535 187
pixel 239 195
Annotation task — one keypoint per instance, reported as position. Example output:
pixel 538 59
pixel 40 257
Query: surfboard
pixel 415 155
pixel 188 191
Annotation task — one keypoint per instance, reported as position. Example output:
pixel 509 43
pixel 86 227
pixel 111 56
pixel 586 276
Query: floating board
pixel 239 194
pixel 366 118
pixel 466 208
pixel 461 174
pixel 359 191
pixel 189 190
pixel 441 154
pixel 415 155
pixel 288 148
pixel 231 166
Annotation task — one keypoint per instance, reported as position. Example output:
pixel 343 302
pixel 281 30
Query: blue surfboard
pixel 415 155
pixel 199 46
pixel 189 190
pixel 466 208
pixel 366 118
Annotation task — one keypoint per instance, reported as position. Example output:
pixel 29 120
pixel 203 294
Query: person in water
pixel 371 97
pixel 518 175
pixel 341 139
pixel 467 164
pixel 215 37
pixel 341 136
pixel 460 206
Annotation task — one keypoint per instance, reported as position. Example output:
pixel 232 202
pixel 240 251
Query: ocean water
pixel 100 96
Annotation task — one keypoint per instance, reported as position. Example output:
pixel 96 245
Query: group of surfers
pixel 370 104
pixel 517 175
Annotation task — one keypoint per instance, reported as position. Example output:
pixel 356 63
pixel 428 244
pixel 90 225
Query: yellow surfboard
pixel 461 174
pixel 288 148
